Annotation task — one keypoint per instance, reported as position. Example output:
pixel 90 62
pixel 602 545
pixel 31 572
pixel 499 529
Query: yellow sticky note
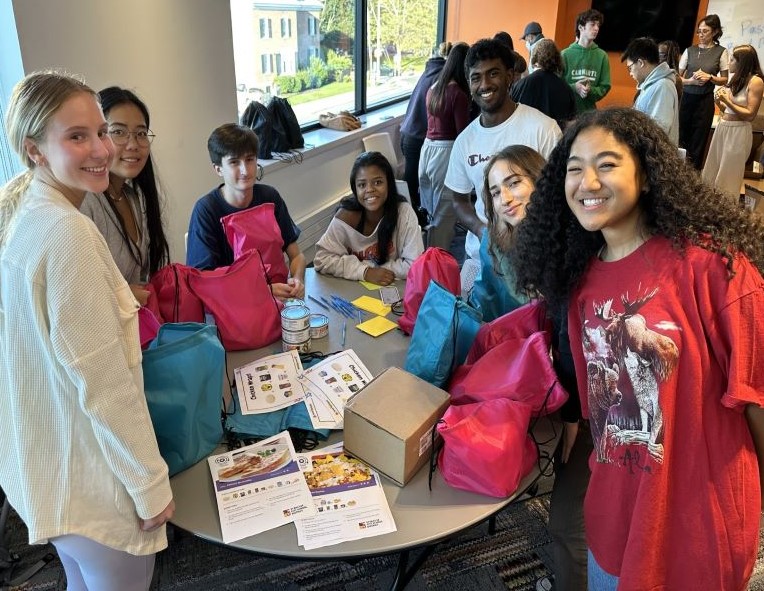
pixel 377 326
pixel 369 285
pixel 370 304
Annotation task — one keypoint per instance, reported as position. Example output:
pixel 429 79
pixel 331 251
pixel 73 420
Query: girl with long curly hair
pixel 661 275
pixel 375 234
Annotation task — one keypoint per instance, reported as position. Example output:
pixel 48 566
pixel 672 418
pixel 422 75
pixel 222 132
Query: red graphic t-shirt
pixel 668 360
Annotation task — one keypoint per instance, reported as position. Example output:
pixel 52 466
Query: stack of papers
pixel 328 386
pixel 329 496
pixel 277 381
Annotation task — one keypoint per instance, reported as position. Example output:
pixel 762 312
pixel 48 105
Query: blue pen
pixel 344 304
pixel 319 303
pixel 352 307
pixel 334 306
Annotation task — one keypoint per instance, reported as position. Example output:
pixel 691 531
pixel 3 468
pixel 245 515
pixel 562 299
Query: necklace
pixel 116 199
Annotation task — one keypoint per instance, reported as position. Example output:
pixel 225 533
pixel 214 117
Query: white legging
pixel 91 566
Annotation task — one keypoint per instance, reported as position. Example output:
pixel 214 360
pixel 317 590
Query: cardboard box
pixel 388 424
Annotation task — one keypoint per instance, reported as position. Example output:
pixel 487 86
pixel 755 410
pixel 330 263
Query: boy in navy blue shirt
pixel 233 152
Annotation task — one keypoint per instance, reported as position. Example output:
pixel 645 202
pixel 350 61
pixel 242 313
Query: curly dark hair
pixel 488 49
pixel 552 250
pixel 672 53
pixel 146 181
pixel 588 16
pixel 390 207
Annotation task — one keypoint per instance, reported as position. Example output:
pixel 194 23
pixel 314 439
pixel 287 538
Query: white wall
pixel 177 55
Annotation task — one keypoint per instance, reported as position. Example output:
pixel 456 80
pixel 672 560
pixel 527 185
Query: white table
pixel 423 517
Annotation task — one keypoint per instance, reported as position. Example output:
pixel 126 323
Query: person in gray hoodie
pixel 656 85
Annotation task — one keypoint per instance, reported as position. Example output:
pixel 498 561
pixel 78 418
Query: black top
pixel 548 93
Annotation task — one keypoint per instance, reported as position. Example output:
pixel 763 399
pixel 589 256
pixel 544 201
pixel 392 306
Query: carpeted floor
pixel 509 560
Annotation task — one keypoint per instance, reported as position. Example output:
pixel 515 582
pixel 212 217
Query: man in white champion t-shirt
pixel 502 122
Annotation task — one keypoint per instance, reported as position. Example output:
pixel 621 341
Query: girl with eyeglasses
pixel 128 213
pixel 700 68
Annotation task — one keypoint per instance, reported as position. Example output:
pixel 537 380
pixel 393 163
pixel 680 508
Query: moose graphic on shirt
pixel 625 362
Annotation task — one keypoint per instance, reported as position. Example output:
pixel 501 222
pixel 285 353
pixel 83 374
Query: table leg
pixel 404 573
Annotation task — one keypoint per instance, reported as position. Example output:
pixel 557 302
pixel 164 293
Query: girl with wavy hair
pixel 129 213
pixel 375 234
pixel 661 276
pixel 739 103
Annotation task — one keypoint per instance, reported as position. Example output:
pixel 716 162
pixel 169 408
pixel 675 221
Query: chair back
pixel 383 143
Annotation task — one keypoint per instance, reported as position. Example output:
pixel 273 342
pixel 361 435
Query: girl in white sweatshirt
pixel 374 235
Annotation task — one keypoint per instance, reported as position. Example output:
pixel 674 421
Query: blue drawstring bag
pixel 445 328
pixel 489 293
pixel 183 373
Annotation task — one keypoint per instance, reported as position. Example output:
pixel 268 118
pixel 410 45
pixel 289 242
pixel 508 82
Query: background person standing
pixel 700 68
pixel 587 69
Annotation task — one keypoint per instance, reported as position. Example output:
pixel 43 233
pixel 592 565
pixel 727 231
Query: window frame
pixel 360 57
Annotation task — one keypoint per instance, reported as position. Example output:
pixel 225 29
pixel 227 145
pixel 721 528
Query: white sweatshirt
pixel 344 252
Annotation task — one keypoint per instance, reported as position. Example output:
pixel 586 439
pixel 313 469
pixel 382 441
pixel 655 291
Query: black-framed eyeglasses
pixel 121 136
pixel 629 66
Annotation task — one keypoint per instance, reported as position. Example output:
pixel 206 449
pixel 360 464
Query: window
pixel 286 27
pixel 266 62
pixel 265 28
pixel 345 54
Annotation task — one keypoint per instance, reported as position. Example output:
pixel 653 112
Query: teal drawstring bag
pixel 444 331
pixel 183 373
pixel 489 293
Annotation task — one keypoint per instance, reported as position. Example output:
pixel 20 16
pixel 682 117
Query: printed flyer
pixel 270 383
pixel 349 500
pixel 329 384
pixel 259 487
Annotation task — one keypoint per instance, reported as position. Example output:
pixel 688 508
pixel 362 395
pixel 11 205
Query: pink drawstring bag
pixel 257 228
pixel 520 322
pixel 486 446
pixel 518 369
pixel 148 326
pixel 175 300
pixel 434 263
pixel 239 298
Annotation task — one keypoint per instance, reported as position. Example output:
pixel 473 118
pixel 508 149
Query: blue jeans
pixel 599 580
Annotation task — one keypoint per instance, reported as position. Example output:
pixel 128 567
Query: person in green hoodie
pixel 587 69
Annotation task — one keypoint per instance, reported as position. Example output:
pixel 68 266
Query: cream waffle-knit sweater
pixel 78 453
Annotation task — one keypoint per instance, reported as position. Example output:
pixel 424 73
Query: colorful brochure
pixel 348 497
pixel 259 487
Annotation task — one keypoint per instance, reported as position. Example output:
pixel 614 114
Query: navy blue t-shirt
pixel 208 247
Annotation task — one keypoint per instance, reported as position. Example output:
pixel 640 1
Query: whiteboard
pixel 742 22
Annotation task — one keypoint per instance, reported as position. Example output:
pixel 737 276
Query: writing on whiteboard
pixel 752 32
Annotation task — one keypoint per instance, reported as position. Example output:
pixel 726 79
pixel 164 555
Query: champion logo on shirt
pixel 475 159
